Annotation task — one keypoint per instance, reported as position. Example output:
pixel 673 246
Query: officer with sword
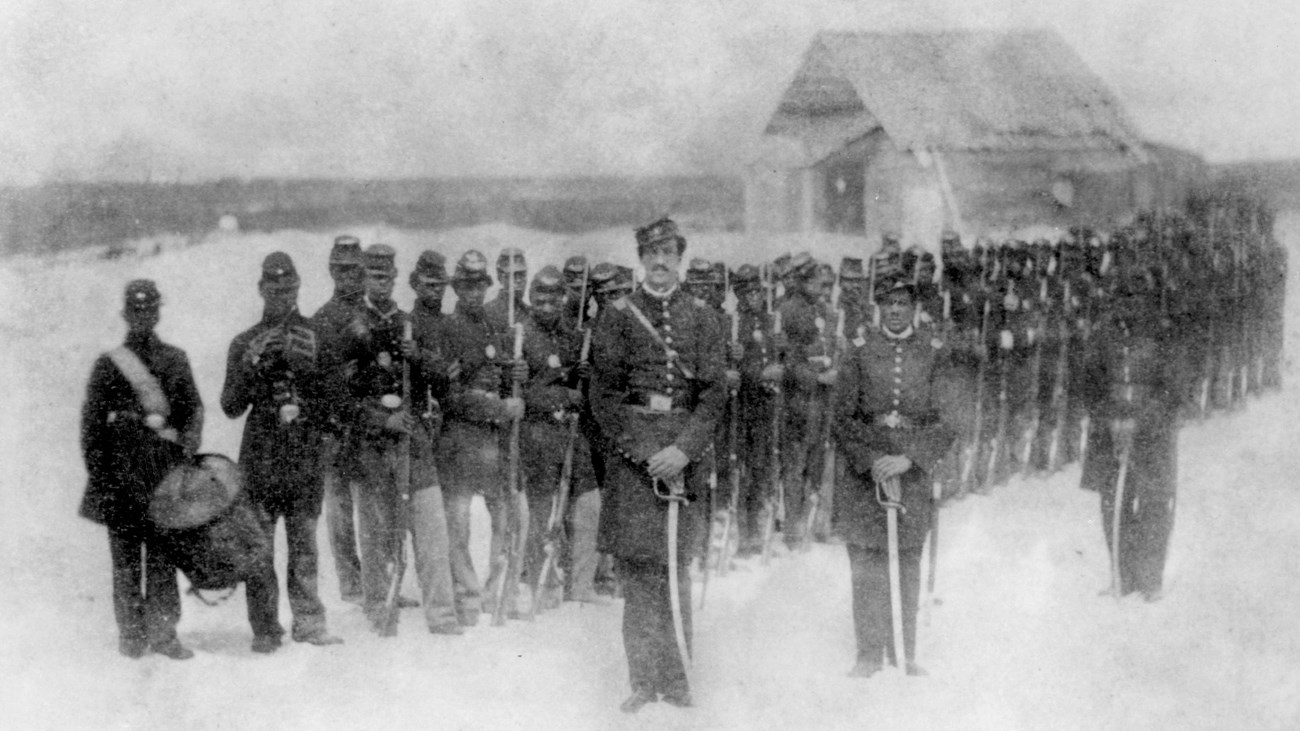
pixel 657 390
pixel 894 423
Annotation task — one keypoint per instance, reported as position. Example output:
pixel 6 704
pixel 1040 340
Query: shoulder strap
pixel 147 390
pixel 672 354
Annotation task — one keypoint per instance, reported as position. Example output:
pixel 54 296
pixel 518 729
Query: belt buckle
pixel 660 402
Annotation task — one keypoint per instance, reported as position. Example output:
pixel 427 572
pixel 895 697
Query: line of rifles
pixel 1018 318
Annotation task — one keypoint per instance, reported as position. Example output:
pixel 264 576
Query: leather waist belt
pixel 1127 392
pixel 895 420
pixel 648 411
pixel 550 417
pixel 657 402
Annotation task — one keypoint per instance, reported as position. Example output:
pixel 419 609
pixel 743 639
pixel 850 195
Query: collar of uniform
pixel 390 314
pixel 292 315
pixel 141 342
pixel 473 313
pixel 421 307
pixel 661 296
pixel 898 336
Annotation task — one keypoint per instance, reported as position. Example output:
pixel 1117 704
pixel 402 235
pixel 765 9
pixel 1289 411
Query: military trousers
pixel 384 520
pixel 470 461
pixel 262 592
pixel 653 661
pixel 576 556
pixel 873 623
pixel 149 615
pixel 1145 523
pixel 757 465
pixel 340 521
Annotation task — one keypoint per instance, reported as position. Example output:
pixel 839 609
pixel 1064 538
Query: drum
pixel 208 525
pixel 195 492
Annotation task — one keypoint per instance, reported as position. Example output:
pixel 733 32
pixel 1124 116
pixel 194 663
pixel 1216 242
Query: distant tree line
pixel 61 216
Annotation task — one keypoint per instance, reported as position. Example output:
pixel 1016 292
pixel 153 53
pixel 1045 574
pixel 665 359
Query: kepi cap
pixel 471 267
pixel 278 271
pixel 548 280
pixel 663 230
pixel 430 268
pixel 141 295
pixel 378 259
pixel 346 251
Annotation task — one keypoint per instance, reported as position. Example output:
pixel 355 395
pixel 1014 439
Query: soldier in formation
pixel 586 409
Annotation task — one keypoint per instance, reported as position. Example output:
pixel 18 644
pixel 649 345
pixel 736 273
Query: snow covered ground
pixel 1020 641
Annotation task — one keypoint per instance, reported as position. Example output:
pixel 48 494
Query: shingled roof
pixel 952 90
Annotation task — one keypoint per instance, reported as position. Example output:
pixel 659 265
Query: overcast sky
pixel 195 89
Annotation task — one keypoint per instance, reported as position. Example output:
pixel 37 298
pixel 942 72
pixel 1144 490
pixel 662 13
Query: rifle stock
pixel 388 621
pixel 776 497
pixel 555 526
pixel 508 564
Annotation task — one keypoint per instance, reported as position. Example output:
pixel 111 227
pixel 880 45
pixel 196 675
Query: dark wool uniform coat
pixel 809 329
pixel 1150 364
pixel 883 380
pixel 552 355
pixel 126 459
pixel 374 344
pixel 628 367
pixel 1133 373
pixel 280 461
pixel 756 398
pixel 332 322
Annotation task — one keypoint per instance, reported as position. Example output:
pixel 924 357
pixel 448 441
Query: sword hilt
pixel 671 490
pixel 884 501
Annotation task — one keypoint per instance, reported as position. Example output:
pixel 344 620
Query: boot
pixel 639 698
pixel 173 649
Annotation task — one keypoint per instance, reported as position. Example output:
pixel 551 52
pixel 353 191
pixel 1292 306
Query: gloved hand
pixel 893 465
pixel 410 351
pixel 269 342
pixel 519 371
pixel 828 377
pixel 400 422
pixel 584 370
pixel 1121 432
pixel 514 408
pixel 667 463
pixel 774 373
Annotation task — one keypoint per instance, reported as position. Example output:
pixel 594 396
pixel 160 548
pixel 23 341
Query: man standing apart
pixel 658 389
pixel 142 416
pixel 273 372
pixel 1131 385
pixel 893 425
